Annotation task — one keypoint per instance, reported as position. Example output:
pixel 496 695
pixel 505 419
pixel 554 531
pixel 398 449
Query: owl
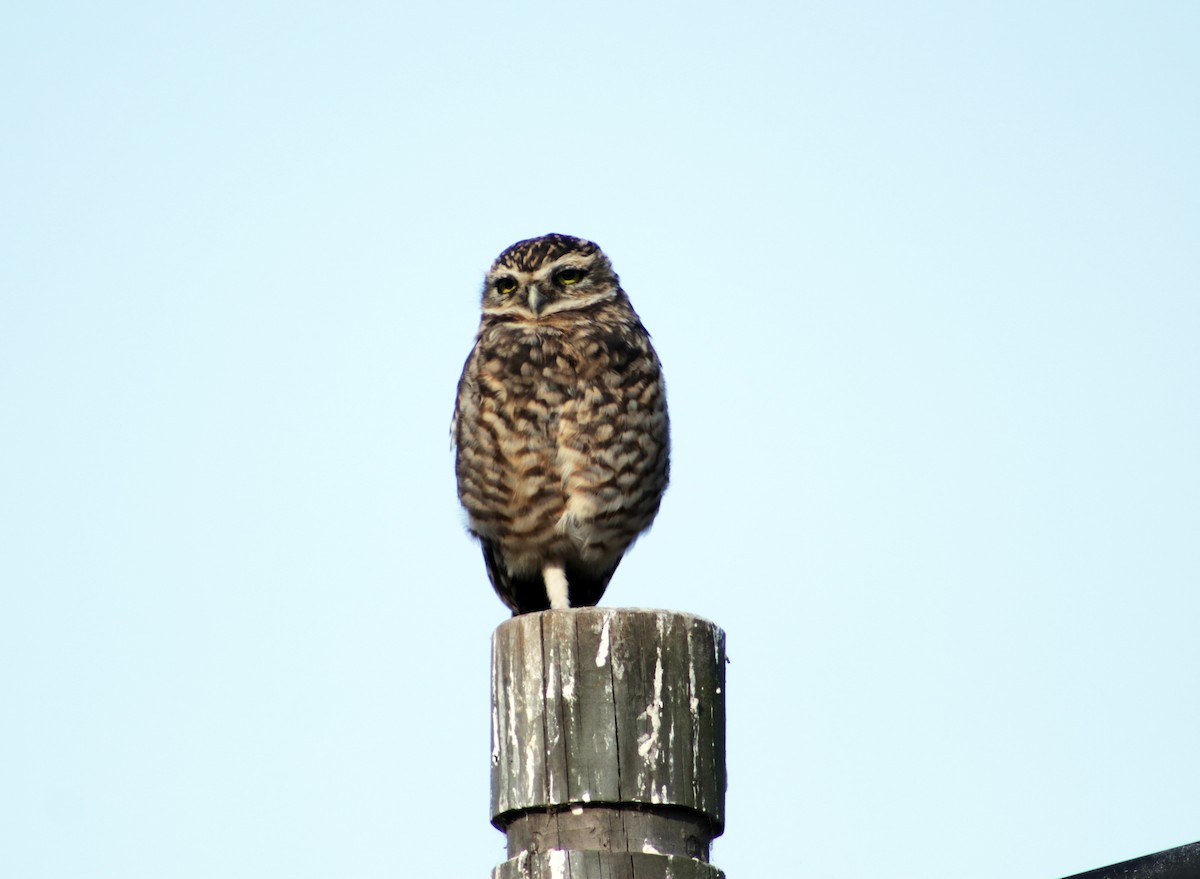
pixel 560 429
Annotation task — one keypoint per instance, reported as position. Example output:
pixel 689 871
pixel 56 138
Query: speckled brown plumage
pixel 560 428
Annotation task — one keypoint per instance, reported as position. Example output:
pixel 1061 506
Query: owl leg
pixel 555 576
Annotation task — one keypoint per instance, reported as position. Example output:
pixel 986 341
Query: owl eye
pixel 567 277
pixel 506 286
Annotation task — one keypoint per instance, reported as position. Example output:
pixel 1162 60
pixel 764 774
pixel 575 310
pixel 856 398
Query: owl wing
pixel 461 396
pixel 522 594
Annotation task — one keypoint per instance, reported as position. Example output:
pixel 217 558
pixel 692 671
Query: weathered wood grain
pixel 602 865
pixel 664 830
pixel 608 743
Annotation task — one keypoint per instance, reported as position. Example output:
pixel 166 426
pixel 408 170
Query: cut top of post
pixel 608 706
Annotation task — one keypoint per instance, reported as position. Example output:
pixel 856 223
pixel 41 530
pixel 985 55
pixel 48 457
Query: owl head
pixel 549 275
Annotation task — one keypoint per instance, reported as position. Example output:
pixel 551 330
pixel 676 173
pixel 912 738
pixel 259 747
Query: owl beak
pixel 535 299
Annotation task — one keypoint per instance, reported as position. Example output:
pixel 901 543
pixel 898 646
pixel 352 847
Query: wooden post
pixel 608 744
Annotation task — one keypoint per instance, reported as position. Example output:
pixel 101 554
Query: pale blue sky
pixel 924 281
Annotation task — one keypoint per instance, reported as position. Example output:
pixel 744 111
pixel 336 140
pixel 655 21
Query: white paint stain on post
pixel 568 673
pixel 694 701
pixel 513 742
pixel 495 735
pixel 648 744
pixel 558 863
pixel 496 729
pixel 602 652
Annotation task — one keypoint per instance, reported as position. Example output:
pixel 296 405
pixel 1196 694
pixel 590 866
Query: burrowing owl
pixel 560 428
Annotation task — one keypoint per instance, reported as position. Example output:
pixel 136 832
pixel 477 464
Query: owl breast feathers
pixel 560 428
